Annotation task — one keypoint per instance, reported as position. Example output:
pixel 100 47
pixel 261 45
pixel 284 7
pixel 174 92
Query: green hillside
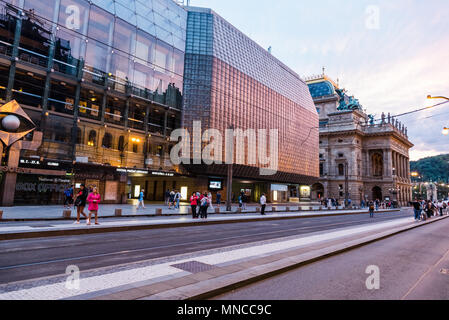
pixel 435 169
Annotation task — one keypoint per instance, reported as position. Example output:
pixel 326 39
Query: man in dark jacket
pixel 417 209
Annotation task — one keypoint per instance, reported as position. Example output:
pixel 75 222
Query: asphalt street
pixel 412 265
pixel 42 257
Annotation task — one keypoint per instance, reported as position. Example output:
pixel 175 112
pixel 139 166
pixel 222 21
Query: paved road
pixel 409 264
pixel 34 258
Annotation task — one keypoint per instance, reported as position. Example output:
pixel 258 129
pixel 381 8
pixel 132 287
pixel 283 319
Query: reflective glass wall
pixel 230 81
pixel 134 42
pixel 115 66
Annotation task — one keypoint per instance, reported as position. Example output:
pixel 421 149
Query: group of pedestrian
pixel 85 196
pixel 427 209
pixel 172 199
pixel 243 200
pixel 200 203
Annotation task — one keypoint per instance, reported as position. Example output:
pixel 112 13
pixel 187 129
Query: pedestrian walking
pixel 177 199
pixel 263 203
pixel 218 198
pixel 167 197
pixel 417 209
pixel 371 209
pixel 428 209
pixel 240 201
pixel 193 205
pixel 171 200
pixel 68 200
pixel 244 199
pixel 210 199
pixel 141 200
pixel 80 203
pixel 204 206
pixel 93 199
pixel 440 207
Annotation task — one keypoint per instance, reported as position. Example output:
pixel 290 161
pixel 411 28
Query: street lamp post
pixel 445 129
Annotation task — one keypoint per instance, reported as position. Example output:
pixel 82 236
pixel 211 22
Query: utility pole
pixel 229 189
pixel 229 181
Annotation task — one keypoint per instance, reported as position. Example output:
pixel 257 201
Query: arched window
pixel 341 169
pixel 121 143
pixel 107 141
pixel 377 165
pixel 92 138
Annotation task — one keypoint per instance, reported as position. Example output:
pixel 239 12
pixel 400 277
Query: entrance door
pixel 377 193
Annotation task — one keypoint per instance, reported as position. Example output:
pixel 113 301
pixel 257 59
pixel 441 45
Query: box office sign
pixel 43 185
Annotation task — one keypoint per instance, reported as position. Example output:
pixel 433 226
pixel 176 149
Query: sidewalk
pixel 35 229
pixel 24 213
pixel 207 273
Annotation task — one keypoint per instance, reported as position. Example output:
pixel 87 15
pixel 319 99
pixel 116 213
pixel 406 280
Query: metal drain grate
pixel 194 266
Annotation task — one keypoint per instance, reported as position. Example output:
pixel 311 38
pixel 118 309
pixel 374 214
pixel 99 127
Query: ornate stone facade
pixel 376 153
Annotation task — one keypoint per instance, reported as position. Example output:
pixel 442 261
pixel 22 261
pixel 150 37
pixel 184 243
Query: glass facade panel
pixel 90 104
pixel 44 9
pixel 28 88
pixel 114 111
pixel 136 116
pixel 62 97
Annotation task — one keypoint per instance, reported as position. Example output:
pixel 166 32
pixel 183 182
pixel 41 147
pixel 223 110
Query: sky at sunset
pixel 388 54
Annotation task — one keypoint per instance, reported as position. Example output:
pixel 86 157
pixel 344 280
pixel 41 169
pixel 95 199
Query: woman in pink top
pixel 93 199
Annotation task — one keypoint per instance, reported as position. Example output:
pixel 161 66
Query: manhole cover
pixel 194 266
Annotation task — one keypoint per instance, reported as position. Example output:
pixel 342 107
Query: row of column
pixel 402 165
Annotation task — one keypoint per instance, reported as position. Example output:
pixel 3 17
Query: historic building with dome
pixel 361 157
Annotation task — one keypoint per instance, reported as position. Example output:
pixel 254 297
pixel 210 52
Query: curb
pixel 95 230
pixel 177 215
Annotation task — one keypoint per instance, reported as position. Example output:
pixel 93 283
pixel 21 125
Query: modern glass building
pixel 103 80
pixel 232 82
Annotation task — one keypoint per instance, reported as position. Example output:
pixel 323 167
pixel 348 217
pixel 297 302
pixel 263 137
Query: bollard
pixel 159 212
pixel 1 214
pixel 287 209
pixel 310 208
pixel 273 209
pixel 239 210
pixel 217 210
pixel 118 212
pixel 258 209
pixel 66 214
